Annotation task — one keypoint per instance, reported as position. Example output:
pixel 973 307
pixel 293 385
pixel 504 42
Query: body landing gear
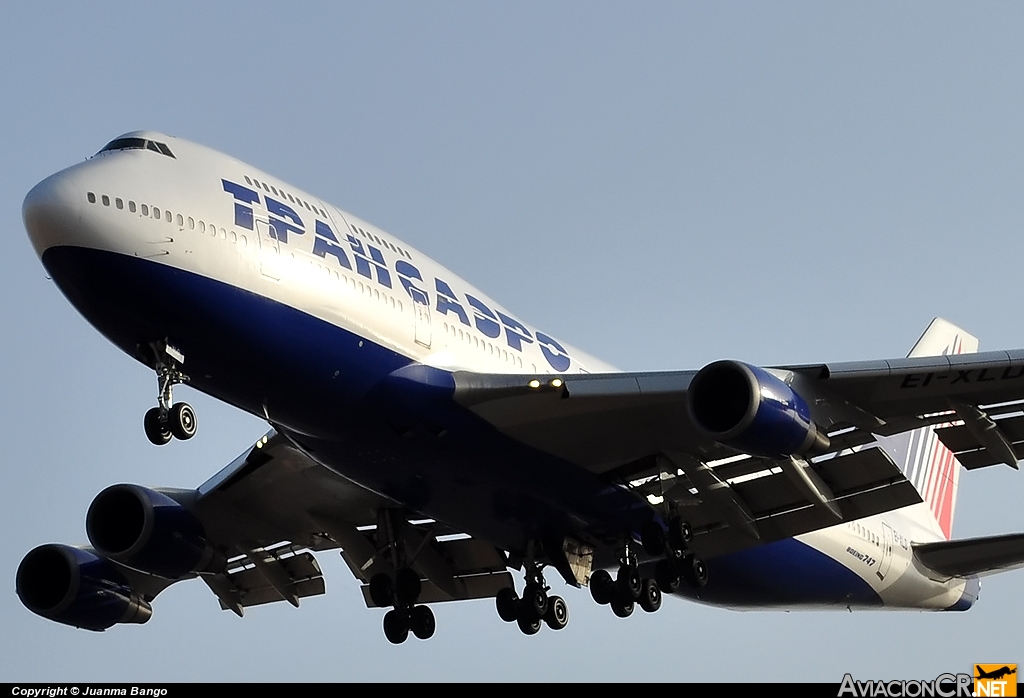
pixel 168 419
pixel 402 593
pixel 534 608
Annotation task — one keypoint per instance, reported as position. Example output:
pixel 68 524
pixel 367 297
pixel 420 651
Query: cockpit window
pixel 137 144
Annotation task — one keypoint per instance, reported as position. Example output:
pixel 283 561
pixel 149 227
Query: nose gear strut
pixel 168 419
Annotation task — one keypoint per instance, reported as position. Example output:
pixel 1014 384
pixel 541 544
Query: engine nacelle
pixel 749 409
pixel 148 531
pixel 77 587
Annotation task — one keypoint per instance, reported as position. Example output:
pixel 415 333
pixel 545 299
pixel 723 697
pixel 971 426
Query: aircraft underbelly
pixel 331 388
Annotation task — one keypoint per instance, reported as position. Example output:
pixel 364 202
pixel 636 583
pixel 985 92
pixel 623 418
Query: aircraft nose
pixel 51 212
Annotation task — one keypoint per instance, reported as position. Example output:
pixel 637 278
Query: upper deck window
pixel 137 144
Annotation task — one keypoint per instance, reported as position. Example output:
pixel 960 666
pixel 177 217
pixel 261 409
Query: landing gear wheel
pixel 535 600
pixel 156 428
pixel 382 590
pixel 650 597
pixel 679 533
pixel 602 588
pixel 695 572
pixel 652 536
pixel 407 586
pixel 557 616
pixel 396 627
pixel 421 622
pixel 507 602
pixel 181 420
pixel 623 608
pixel 529 624
pixel 629 582
pixel 666 573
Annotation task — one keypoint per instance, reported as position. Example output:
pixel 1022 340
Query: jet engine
pixel 77 587
pixel 148 531
pixel 749 409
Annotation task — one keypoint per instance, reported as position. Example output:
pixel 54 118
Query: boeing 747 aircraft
pixel 438 441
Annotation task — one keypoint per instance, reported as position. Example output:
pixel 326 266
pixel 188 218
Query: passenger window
pixel 119 203
pixel 156 213
pixel 181 221
pixel 202 227
pixel 167 216
pixel 191 223
pixel 145 210
pixel 105 199
pixel 223 235
pixel 131 206
pixel 247 180
pixel 91 197
pixel 234 238
pixel 244 241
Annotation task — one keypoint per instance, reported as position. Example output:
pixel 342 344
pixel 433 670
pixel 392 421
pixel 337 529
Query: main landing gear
pixel 402 592
pixel 535 607
pixel 679 563
pixel 168 419
pixel 627 589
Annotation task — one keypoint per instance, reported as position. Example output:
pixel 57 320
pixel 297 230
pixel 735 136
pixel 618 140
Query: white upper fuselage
pixel 208 214
pixel 179 211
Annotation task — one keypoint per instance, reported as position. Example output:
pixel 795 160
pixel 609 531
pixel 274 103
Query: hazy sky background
pixel 661 186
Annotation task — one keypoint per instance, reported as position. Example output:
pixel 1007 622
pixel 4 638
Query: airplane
pixel 439 442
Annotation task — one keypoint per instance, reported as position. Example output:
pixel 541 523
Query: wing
pixel 270 509
pixel 274 504
pixel 667 433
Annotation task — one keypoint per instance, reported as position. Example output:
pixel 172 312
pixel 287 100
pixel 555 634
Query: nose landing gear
pixel 168 419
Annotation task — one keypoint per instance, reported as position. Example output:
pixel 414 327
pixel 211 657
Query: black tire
pixel 557 616
pixel 650 598
pixel 527 623
pixel 623 608
pixel 421 622
pixel 668 576
pixel 382 590
pixel 535 601
pixel 602 587
pixel 629 582
pixel 679 533
pixel 407 586
pixel 507 603
pixel 156 428
pixel 181 420
pixel 652 536
pixel 695 572
pixel 396 627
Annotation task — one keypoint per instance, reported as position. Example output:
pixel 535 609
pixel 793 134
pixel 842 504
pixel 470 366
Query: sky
pixel 660 184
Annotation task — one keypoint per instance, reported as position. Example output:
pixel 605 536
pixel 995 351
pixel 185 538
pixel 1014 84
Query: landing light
pixel 534 383
pixel 556 383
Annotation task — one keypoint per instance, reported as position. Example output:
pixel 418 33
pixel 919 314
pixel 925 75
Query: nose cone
pixel 52 212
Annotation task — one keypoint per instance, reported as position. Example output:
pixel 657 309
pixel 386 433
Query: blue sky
pixel 662 185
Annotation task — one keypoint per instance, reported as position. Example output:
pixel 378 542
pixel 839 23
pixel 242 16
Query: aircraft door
pixel 268 250
pixel 887 540
pixel 422 309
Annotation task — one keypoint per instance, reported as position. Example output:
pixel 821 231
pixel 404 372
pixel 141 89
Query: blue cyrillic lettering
pixel 243 195
pixel 554 352
pixel 515 332
pixel 281 227
pixel 406 274
pixel 365 261
pixel 485 319
pixel 447 303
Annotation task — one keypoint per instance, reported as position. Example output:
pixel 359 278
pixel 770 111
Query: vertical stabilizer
pixel 926 462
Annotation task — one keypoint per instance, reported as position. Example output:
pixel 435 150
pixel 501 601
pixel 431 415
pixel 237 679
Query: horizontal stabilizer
pixel 972 555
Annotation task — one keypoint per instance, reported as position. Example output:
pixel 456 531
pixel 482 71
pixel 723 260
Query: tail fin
pixel 927 464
